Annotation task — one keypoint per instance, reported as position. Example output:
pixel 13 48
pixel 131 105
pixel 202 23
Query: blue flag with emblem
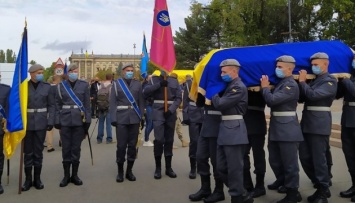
pixel 144 60
pixel 129 97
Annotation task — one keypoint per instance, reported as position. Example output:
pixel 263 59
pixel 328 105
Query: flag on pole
pixel 86 54
pixel 17 116
pixel 65 69
pixel 145 59
pixel 162 52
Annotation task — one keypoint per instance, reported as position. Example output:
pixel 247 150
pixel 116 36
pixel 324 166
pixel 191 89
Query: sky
pixel 58 28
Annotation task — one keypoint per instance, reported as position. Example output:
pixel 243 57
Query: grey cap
pixel 229 62
pixel 127 65
pixel 286 59
pixel 35 68
pixel 72 67
pixel 319 55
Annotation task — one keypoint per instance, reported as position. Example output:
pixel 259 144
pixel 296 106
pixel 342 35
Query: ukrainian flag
pixel 17 116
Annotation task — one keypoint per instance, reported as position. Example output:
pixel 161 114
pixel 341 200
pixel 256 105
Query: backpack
pixel 103 97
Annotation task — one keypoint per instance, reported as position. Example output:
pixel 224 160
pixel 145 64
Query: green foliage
pixel 48 72
pixel 101 74
pixel 32 62
pixel 2 56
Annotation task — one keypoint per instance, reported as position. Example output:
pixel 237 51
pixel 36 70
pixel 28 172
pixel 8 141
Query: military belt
pixel 36 110
pixel 349 103
pixel 124 107
pixel 162 102
pixel 284 113
pixel 256 108
pixel 232 117
pixel 192 103
pixel 210 112
pixel 318 108
pixel 70 107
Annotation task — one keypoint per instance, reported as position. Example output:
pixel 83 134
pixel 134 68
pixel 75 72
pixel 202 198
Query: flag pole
pixel 8 171
pixel 165 96
pixel 21 168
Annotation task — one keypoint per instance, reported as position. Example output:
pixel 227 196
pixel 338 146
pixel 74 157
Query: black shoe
pixel 1 189
pixel 199 195
pixel 214 197
pixel 192 174
pixel 169 172
pixel 247 198
pixel 353 199
pixel 157 173
pixel 130 176
pixel 258 192
pixel 27 185
pixel 38 184
pixel 282 189
pixel 51 150
pixel 275 185
pixel 119 178
pixel 76 180
pixel 65 181
pixel 348 193
pixel 316 195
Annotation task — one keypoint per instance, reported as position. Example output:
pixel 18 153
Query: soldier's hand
pixel 264 81
pixel 167 114
pixel 164 83
pixel 185 122
pixel 86 128
pixel 58 126
pixel 49 127
pixel 303 76
pixel 114 124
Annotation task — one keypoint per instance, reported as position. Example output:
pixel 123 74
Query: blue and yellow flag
pixel 17 116
pixel 65 69
pixel 145 59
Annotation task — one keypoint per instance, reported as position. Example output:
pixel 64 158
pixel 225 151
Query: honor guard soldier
pixel 4 106
pixel 193 117
pixel 40 118
pixel 348 130
pixel 284 131
pixel 73 118
pixel 164 121
pixel 126 107
pixel 256 128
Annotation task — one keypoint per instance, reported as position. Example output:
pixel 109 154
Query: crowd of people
pixel 222 131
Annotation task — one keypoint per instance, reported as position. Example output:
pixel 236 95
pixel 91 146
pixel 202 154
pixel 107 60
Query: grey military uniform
pixel 4 95
pixel 316 126
pixel 284 131
pixel 122 113
pixel 232 136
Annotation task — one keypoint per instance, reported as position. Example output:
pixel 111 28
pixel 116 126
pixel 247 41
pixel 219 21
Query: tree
pixel 48 72
pixel 32 62
pixel 10 56
pixel 2 56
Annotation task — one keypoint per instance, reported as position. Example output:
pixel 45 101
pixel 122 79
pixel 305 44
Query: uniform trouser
pixel 2 157
pixel 313 158
pixel 194 132
pixel 256 142
pixel 230 167
pixel 348 143
pixel 71 138
pixel 164 138
pixel 33 147
pixel 283 160
pixel 93 107
pixel 127 136
pixel 207 149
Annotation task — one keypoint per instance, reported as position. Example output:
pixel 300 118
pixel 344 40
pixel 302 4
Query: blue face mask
pixel 39 77
pixel 129 75
pixel 353 64
pixel 316 70
pixel 227 78
pixel 73 76
pixel 279 73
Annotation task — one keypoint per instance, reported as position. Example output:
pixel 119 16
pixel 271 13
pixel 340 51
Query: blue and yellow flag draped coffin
pixel 260 60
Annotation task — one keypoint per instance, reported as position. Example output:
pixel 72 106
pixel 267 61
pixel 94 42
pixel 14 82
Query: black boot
pixel 119 177
pixel 248 182
pixel 192 174
pixel 291 196
pixel 315 194
pixel 218 194
pixel 157 173
pixel 37 183
pixel 204 191
pixel 247 198
pixel 275 185
pixel 1 188
pixel 66 179
pixel 237 199
pixel 74 174
pixel 320 196
pixel 169 171
pixel 28 182
pixel 129 174
pixel 348 193
pixel 259 189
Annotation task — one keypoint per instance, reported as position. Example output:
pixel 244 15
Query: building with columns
pixel 90 64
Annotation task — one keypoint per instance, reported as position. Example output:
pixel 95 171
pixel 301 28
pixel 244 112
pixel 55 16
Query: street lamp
pixel 289 22
pixel 134 54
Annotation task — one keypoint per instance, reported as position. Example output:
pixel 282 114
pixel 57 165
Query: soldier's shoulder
pixel 5 86
pixel 332 78
pixel 82 82
pixel 46 84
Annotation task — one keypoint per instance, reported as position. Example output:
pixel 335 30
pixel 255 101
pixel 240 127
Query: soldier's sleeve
pixel 51 105
pixel 177 100
pixel 141 100
pixel 349 86
pixel 286 93
pixel 152 86
pixel 185 103
pixel 57 105
pixel 327 89
pixel 113 104
pixel 6 107
pixel 229 99
pixel 86 103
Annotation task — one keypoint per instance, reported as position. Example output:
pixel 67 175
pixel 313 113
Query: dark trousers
pixel 348 143
pixel 71 138
pixel 207 149
pixel 33 147
pixel 194 132
pixel 94 107
pixel 230 167
pixel 283 160
pixel 164 138
pixel 313 158
pixel 2 157
pixel 256 142
pixel 127 136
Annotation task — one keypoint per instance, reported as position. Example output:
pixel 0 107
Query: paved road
pixel 100 185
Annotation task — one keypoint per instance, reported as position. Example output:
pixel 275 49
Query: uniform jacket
pixel 40 98
pixel 94 88
pixel 190 112
pixel 348 115
pixel 320 92
pixel 210 124
pixel 4 95
pixel 234 101
pixel 72 117
pixel 255 116
pixel 283 98
pixel 126 116
pixel 157 92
